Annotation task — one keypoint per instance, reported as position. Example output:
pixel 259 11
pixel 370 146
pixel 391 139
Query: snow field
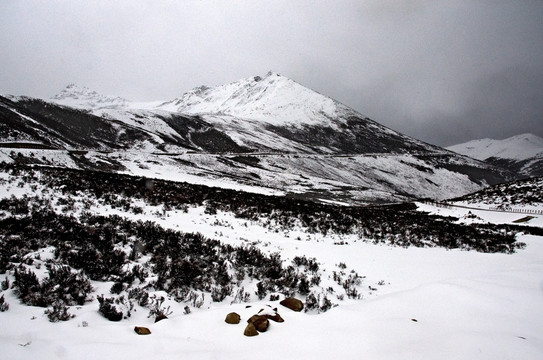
pixel 422 303
pixel 490 310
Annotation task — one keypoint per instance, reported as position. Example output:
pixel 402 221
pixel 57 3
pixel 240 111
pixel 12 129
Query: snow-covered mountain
pixel 293 141
pixel 84 98
pixel 521 154
pixel 519 147
pixel 273 98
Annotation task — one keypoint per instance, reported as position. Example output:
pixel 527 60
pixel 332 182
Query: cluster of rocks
pixel 260 322
pixel 256 324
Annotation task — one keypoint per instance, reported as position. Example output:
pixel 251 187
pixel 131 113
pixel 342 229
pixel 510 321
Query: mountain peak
pixel 82 97
pixel 272 98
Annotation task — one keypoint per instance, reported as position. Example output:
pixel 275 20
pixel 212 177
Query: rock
pixel 140 330
pixel 271 314
pixel 276 318
pixel 252 319
pixel 160 317
pixel 292 304
pixel 250 330
pixel 233 318
pixel 260 322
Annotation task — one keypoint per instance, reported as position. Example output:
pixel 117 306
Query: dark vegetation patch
pixel 523 169
pixel 399 225
pixel 522 192
pixel 480 174
pixel 140 257
pixel 358 135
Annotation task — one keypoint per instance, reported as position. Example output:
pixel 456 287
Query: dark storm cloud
pixel 442 71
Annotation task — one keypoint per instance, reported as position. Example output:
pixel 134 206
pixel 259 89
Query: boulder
pixel 292 304
pixel 250 330
pixel 232 318
pixel 260 322
pixel 140 330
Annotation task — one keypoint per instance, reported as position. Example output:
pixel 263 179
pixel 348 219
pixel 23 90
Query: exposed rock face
pixel 250 330
pixel 140 330
pixel 293 304
pixel 232 318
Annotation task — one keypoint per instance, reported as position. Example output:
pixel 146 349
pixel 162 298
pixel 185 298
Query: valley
pixel 115 214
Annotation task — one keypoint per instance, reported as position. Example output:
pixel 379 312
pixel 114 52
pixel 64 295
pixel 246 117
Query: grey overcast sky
pixel 443 71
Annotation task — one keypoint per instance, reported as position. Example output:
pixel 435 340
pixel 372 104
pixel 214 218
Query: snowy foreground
pixel 422 303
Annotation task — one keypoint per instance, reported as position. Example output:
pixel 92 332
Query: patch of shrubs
pixel 61 286
pixel 115 308
pixel 399 225
pixel 58 312
pixel 4 306
pixel 319 303
pixel 522 192
pixel 157 310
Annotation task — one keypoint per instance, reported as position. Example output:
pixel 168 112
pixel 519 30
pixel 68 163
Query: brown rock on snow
pixel 292 304
pixel 232 318
pixel 272 316
pixel 140 330
pixel 260 322
pixel 250 330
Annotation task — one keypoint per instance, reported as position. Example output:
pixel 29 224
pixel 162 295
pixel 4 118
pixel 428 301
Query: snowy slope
pixel 521 155
pixel 519 147
pixel 274 106
pixel 273 98
pixel 428 303
pixel 301 142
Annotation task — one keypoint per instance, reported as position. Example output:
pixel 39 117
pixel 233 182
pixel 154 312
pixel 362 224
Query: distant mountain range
pixel 521 154
pixel 264 134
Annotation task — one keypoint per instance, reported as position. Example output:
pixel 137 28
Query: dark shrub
pixel 108 309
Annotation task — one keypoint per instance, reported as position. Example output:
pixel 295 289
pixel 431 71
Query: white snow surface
pixel 273 98
pixel 430 303
pixel 519 147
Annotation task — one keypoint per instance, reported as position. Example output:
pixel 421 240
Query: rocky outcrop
pixel 260 322
pixel 257 323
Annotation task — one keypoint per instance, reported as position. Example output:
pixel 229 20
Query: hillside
pixel 86 256
pixel 293 141
pixel 522 194
pixel 521 154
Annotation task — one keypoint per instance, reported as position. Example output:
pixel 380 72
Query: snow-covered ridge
pixel 84 98
pixel 519 147
pixel 273 98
